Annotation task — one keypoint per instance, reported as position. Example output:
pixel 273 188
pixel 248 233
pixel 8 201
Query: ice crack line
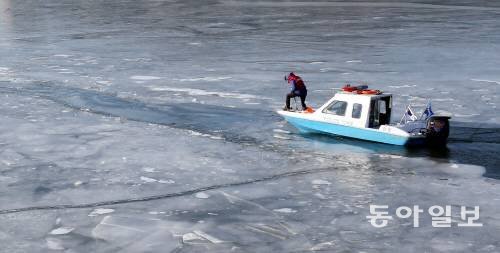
pixel 164 196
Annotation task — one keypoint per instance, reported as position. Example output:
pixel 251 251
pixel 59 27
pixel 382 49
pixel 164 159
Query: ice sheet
pixel 139 126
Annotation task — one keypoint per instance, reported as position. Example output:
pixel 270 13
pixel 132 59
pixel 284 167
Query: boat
pixel 361 113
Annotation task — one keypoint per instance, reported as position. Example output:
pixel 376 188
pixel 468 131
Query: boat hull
pixel 306 125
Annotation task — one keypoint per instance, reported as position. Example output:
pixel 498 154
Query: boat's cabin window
pixel 336 108
pixel 356 111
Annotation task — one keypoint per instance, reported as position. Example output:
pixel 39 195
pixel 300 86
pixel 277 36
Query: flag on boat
pixel 428 111
pixel 410 114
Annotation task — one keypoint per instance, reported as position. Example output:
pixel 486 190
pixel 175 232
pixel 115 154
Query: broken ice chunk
pixel 166 181
pixel 207 236
pixel 61 231
pixel 269 230
pixel 136 234
pixel 281 131
pixel 54 244
pixel 202 195
pixel 285 210
pixel 99 211
pixel 281 137
pixel 145 78
pixel 148 179
pixel 192 238
pixel 323 246
pixel 149 169
pixel 320 182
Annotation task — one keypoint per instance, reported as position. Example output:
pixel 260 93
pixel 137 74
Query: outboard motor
pixel 437 130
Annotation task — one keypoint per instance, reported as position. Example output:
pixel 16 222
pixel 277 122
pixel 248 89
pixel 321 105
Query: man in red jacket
pixel 298 89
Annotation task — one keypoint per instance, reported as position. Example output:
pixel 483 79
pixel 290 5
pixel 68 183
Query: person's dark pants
pixel 302 95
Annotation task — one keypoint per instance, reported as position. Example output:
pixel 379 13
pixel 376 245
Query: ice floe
pixel 63 55
pixel 100 211
pixel 202 195
pixel 486 81
pixel 62 231
pixel 285 210
pixel 206 79
pixel 148 179
pixel 320 182
pixel 149 169
pixel 166 181
pixel 145 78
pixel 277 136
pixel 54 243
pixel 199 92
pixel 281 131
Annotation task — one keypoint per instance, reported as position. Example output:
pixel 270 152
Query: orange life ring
pixel 370 92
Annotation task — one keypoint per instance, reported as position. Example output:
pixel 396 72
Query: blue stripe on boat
pixel 305 125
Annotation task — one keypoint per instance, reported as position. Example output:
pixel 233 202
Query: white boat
pixel 366 114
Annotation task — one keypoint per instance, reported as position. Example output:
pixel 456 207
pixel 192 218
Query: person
pixel 298 89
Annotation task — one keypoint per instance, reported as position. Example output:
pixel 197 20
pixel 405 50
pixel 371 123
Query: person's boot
pixel 286 109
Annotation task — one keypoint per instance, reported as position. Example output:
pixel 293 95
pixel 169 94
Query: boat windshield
pixel 337 107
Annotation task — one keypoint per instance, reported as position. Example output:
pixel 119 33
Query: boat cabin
pixel 358 110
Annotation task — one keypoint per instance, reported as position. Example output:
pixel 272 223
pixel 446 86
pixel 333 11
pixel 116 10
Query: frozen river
pixel 150 126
